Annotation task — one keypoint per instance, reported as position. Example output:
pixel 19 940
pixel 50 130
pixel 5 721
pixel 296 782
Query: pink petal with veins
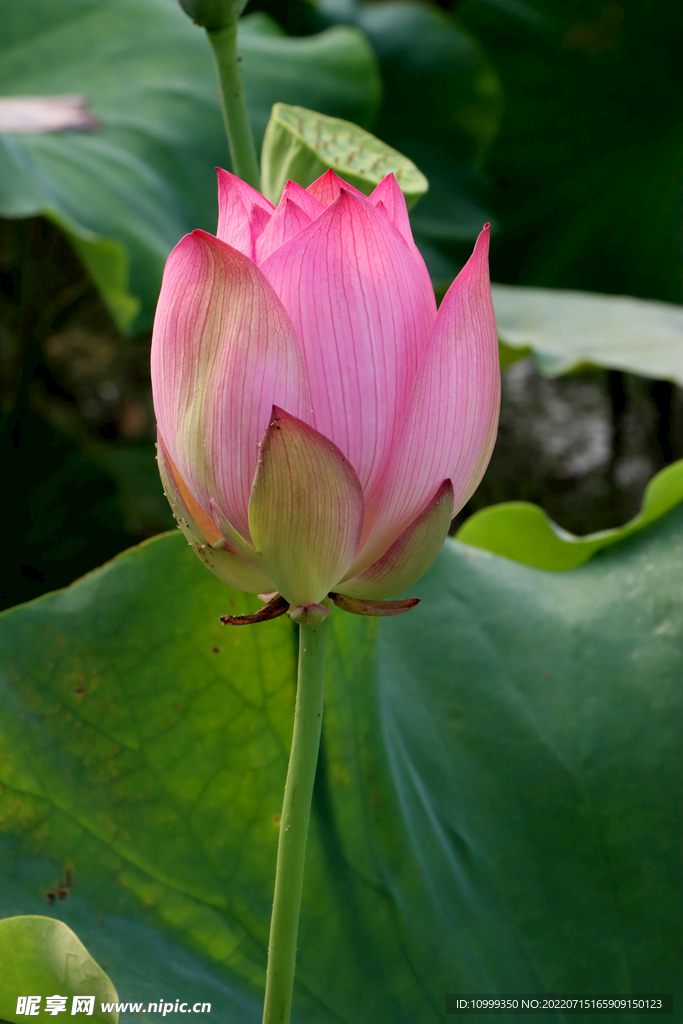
pixel 223 352
pixel 313 207
pixel 388 194
pixel 450 425
pixel 362 315
pixel 326 188
pixel 285 222
pixel 242 212
pixel 259 219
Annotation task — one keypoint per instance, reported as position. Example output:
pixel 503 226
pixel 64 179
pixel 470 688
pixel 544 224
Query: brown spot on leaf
pixel 60 891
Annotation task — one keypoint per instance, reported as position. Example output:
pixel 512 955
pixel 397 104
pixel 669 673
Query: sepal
pixel 356 607
pixel 308 614
pixel 276 606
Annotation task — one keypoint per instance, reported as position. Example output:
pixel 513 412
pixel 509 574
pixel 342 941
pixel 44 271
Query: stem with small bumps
pixel 242 150
pixel 296 809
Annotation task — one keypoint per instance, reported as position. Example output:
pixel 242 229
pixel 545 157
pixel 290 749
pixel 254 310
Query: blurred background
pixel 560 123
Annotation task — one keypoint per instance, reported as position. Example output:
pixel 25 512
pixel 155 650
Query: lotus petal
pixel 223 352
pixel 308 203
pixel 409 556
pixel 326 188
pixel 242 212
pixel 201 532
pixel 285 222
pixel 306 510
pixel 450 426
pixel 362 315
pixel 388 193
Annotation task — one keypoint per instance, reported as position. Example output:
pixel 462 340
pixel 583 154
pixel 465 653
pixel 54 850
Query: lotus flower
pixel 319 421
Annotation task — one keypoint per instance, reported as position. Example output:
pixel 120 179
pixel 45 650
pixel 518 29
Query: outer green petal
pixel 409 556
pixel 202 533
pixel 306 510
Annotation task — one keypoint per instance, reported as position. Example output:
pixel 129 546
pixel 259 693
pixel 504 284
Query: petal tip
pixel 199 235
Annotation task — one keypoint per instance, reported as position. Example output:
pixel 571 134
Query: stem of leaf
pixel 242 150
pixel 296 809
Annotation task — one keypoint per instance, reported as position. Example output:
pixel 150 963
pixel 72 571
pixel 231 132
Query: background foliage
pixel 495 801
pixel 493 806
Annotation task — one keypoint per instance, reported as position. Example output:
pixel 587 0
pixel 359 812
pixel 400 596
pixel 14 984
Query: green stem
pixel 242 150
pixel 296 810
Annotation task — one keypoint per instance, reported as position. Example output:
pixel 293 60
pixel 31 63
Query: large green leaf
pixel 565 330
pixel 495 809
pixel 42 957
pixel 127 191
pixel 524 532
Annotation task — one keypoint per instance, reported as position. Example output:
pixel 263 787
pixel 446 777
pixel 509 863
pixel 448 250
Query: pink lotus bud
pixel 320 422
